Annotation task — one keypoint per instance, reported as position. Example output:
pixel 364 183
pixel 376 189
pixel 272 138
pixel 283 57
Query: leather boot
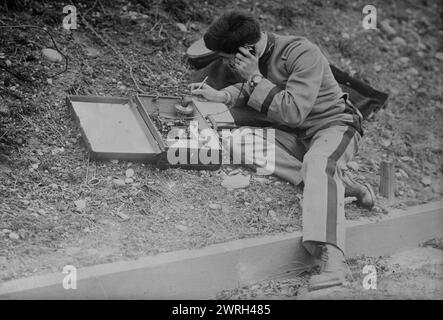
pixel 363 192
pixel 333 269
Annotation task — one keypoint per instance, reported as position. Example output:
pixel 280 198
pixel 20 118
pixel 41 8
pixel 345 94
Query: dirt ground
pixel 58 207
pixel 411 274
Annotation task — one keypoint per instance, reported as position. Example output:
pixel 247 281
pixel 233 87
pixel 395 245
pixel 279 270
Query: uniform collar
pixel 263 60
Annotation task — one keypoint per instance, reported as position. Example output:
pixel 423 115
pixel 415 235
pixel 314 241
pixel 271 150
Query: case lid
pixel 113 128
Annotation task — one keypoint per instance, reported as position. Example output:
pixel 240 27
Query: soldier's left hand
pixel 246 64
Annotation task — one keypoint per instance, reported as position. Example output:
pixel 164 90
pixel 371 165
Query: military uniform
pixel 322 130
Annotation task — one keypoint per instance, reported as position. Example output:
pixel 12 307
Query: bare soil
pixel 45 168
pixel 411 274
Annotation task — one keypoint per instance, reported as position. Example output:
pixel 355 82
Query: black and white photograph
pixel 221 156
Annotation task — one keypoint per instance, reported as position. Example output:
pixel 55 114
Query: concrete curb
pixel 201 273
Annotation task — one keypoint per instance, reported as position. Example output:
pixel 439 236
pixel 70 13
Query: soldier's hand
pixel 207 92
pixel 246 64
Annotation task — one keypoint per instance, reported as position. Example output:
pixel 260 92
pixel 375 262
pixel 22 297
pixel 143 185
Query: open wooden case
pixel 146 128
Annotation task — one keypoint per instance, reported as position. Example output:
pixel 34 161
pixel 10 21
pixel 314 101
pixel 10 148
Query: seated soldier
pixel 288 79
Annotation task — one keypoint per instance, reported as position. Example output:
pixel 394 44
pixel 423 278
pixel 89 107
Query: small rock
pixel 49 81
pixel 34 166
pixel 80 204
pixel 267 200
pixel 394 91
pixel 272 213
pixel 439 55
pixel 403 173
pixel 4 109
pixel 262 172
pixel 381 209
pixel 399 41
pixel 235 182
pixel 234 172
pixel 92 52
pixel 33 159
pixel 181 227
pixel 94 181
pixel 345 35
pixel 122 216
pixel 14 236
pixel 57 151
pixel 41 212
pixel 255 287
pixel 8 63
pixel 404 60
pixel 426 181
pixel 52 55
pixel 349 200
pixel 386 142
pixel 118 183
pixel 114 161
pixel 181 27
pixel 353 165
pixel 377 68
pixel 215 206
pixel 279 28
pixel 129 180
pixel 129 173
pixel 386 27
pixel 413 71
pixel 54 186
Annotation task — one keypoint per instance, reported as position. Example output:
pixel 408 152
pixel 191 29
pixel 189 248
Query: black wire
pixel 52 39
pixel 238 96
pixel 18 76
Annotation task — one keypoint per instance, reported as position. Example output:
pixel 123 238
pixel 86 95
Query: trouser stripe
pixel 332 197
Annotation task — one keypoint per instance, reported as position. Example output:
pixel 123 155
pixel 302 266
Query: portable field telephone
pixel 251 48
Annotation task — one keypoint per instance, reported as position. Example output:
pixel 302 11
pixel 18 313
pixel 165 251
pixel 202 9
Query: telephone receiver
pixel 251 48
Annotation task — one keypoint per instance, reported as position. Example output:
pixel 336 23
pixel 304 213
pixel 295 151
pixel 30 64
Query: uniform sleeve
pixel 234 91
pixel 291 105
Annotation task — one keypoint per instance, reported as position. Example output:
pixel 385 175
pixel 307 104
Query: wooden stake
pixel 387 180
